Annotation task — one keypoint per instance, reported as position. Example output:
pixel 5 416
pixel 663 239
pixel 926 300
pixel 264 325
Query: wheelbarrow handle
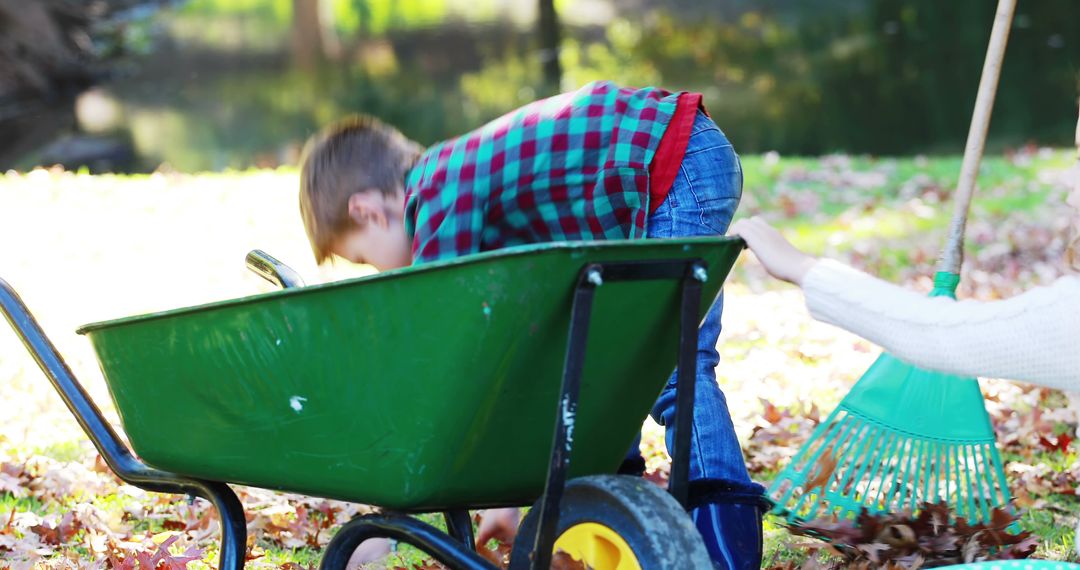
pixel 114 451
pixel 266 266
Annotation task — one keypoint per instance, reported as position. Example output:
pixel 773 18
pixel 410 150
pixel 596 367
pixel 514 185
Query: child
pixel 602 162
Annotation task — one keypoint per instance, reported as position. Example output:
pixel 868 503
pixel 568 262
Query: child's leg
pixel 714 449
pixel 702 201
pixel 726 503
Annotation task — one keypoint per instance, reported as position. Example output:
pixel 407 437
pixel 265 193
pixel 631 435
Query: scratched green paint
pixel 418 389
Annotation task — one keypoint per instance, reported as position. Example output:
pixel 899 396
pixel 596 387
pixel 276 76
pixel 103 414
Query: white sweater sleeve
pixel 1033 337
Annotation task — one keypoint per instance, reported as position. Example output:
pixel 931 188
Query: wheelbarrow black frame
pixel 454 548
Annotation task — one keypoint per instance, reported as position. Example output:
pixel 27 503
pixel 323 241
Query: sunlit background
pixel 215 84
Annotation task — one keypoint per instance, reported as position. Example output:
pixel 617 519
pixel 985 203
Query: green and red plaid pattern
pixel 571 167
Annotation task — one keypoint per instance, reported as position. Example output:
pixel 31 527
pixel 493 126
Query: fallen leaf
pixel 823 471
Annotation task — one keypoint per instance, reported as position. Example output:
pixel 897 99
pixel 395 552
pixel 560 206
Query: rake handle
pixel 952 256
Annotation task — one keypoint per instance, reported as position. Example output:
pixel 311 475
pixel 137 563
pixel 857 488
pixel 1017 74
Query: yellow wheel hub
pixel 598 547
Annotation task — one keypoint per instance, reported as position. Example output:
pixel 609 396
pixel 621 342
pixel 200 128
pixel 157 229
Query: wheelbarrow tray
pixel 420 389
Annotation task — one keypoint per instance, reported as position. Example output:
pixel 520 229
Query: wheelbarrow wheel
pixel 616 522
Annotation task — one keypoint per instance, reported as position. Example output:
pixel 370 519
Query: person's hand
pixel 369 552
pixel 500 524
pixel 781 259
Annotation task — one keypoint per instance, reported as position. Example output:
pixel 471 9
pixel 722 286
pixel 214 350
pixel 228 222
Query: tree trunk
pixel 33 50
pixel 549 46
pixel 307 41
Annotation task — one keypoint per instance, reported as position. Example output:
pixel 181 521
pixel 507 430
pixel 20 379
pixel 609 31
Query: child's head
pixel 352 185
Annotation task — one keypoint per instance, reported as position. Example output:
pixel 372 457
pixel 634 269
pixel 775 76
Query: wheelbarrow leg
pixel 116 454
pixel 459 526
pixel 590 278
pixel 685 382
pixel 690 274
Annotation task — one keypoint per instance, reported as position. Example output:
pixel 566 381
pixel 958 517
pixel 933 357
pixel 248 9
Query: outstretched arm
pixel 1031 337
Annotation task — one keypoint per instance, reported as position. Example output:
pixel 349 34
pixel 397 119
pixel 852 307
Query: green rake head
pixel 901 437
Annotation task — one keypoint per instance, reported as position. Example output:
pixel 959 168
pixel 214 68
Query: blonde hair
pixel 349 156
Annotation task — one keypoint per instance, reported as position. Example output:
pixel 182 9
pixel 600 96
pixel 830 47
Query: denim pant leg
pixel 702 201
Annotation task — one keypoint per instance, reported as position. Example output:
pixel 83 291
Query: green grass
pixel 9 502
pixel 64 451
pixel 1052 525
pixel 306 557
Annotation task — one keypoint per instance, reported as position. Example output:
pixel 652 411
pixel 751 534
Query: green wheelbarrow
pixel 451 386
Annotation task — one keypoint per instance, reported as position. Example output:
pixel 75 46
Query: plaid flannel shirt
pixel 571 167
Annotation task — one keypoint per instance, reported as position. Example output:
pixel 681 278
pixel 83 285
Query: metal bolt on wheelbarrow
pixel 426 389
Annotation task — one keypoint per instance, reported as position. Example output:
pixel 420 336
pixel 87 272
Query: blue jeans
pixel 726 504
pixel 701 202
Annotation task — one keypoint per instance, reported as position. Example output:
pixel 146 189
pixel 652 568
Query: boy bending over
pixel 602 162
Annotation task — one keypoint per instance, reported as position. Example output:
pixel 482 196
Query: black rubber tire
pixel 651 522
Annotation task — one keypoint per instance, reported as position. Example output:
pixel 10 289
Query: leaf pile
pixel 778 435
pixel 931 538
pixel 89 519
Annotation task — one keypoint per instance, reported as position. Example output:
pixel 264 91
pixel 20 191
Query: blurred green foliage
pixel 222 90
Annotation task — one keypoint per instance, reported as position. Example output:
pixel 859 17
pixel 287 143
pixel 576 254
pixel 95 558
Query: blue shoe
pixel 728 515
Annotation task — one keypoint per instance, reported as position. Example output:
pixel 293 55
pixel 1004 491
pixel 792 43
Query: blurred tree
pixel 307 36
pixel 549 46
pixel 39 47
pixel 314 35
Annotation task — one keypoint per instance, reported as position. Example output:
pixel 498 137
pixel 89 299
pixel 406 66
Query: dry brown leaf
pixel 932 537
pixel 563 561
pixel 823 471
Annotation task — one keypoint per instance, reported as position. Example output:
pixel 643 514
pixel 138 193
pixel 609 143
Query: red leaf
pixel 1059 443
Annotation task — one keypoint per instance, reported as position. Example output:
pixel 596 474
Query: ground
pixel 82 248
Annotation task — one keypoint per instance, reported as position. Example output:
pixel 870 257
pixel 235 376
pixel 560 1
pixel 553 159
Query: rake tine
pixel 999 470
pixel 931 473
pixel 973 486
pixel 860 488
pixel 875 477
pixel 941 464
pixel 848 428
pixel 894 476
pixel 793 467
pixel 912 475
pixel 886 468
pixel 985 491
pixel 971 482
pixel 845 460
pixel 809 511
pixel 868 446
pixel 941 467
pixel 954 480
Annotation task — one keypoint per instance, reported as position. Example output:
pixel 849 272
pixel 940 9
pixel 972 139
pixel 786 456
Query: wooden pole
pixel 1078 134
pixel 952 256
pixel 1072 253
